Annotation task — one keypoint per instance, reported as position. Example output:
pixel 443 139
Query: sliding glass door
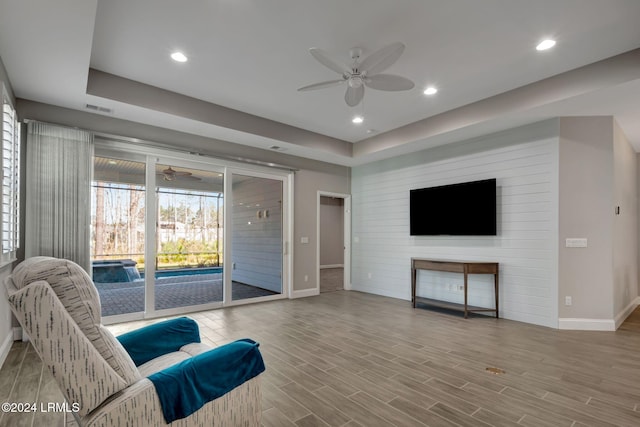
pixel 117 234
pixel 161 243
pixel 189 237
pixel 257 237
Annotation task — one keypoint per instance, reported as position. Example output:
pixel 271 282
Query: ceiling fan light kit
pixel 367 72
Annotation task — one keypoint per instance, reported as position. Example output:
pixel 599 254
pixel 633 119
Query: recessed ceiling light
pixel 430 90
pixel 178 57
pixel 546 44
pixel 357 120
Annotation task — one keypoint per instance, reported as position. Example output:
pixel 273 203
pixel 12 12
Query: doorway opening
pixel 334 220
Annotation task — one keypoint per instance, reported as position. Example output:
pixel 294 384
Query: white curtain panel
pixel 58 205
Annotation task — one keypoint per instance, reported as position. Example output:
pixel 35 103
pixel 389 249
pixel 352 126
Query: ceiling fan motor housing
pixel 355 81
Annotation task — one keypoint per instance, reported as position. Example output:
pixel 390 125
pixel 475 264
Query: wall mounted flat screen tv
pixel 465 209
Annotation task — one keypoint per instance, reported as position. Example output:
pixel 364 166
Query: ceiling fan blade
pixel 321 85
pixel 389 82
pixel 354 95
pixel 324 58
pixel 382 59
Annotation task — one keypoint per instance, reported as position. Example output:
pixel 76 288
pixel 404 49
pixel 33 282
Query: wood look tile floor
pixel 331 279
pixel 352 359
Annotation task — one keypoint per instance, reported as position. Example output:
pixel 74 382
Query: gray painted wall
pixel 586 211
pixel 625 224
pixel 598 173
pixel 307 185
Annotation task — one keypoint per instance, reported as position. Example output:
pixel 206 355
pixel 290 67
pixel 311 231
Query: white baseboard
pixel 586 324
pixel 599 324
pixel 5 347
pixel 621 317
pixel 305 293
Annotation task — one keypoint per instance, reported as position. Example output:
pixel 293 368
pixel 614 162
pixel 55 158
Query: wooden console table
pixel 463 267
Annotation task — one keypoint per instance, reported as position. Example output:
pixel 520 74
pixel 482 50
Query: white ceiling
pixel 252 55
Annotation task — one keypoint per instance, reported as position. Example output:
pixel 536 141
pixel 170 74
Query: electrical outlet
pixel 306 278
pixel 369 275
pixel 567 301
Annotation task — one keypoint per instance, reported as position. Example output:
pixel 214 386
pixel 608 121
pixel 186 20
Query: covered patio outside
pixel 121 287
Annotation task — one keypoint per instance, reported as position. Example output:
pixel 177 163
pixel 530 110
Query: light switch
pixel 575 242
pixel 304 240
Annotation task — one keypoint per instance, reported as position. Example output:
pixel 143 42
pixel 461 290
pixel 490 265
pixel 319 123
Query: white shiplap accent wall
pixel 257 242
pixel 525 163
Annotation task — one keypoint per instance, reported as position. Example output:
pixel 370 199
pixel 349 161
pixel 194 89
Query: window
pixel 10 167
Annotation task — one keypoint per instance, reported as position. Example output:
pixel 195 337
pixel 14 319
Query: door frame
pixel 107 145
pixel 287 230
pixel 346 219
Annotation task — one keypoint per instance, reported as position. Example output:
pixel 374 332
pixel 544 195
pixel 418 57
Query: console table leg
pixel 496 292
pixel 413 287
pixel 465 294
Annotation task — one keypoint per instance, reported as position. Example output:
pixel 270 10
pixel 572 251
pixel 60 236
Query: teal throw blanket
pixel 186 386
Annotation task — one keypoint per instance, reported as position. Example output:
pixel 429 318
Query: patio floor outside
pixel 171 292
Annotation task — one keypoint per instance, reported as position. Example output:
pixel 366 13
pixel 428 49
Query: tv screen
pixel 465 209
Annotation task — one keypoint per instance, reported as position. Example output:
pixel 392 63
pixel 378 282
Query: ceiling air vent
pixel 98 109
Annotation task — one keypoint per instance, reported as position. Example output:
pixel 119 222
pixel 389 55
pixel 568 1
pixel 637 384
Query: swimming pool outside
pixel 188 271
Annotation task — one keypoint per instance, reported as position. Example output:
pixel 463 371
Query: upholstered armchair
pixel 154 376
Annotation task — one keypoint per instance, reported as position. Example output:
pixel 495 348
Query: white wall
pixel 525 163
pixel 256 249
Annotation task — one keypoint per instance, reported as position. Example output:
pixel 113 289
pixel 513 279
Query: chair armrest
pixel 138 405
pixel 153 341
pixel 186 386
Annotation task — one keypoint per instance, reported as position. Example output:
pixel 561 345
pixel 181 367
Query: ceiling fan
pixel 171 174
pixel 362 73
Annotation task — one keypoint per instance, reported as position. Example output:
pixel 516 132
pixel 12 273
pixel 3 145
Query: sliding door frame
pixel 287 232
pixel 106 146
